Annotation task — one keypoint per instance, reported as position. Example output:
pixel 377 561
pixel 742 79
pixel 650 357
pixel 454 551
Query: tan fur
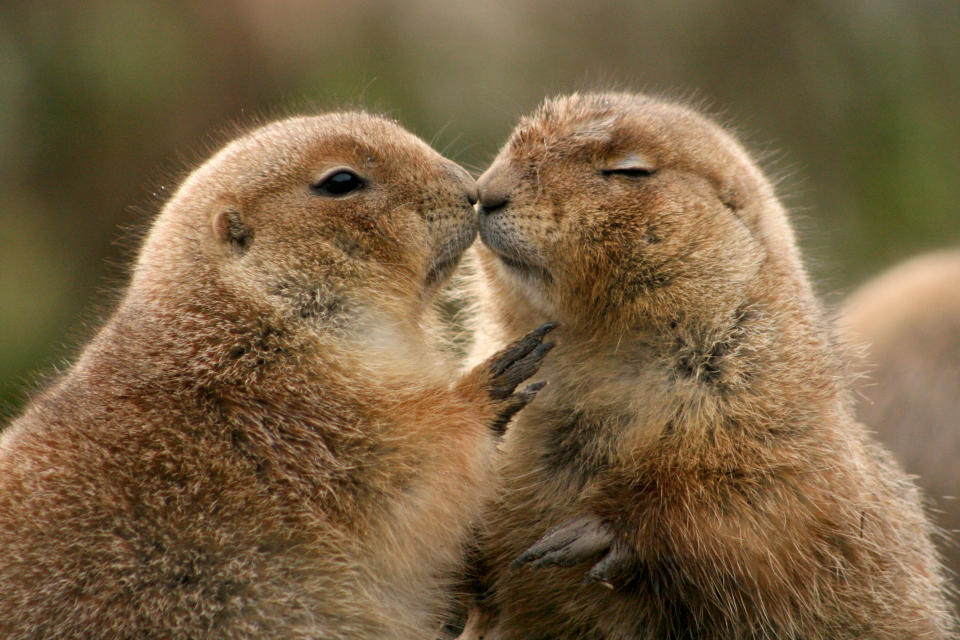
pixel 909 320
pixel 261 441
pixel 697 407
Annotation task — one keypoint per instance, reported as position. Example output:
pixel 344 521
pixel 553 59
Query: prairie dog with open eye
pixel 261 441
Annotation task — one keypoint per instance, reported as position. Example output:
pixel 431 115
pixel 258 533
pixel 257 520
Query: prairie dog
pixel 261 441
pixel 694 469
pixel 909 320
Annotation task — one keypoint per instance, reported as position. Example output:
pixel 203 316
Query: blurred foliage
pixel 105 104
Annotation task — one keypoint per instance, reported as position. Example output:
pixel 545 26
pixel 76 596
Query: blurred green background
pixel 854 104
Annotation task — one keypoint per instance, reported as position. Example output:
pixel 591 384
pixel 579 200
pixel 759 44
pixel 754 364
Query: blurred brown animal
pixel 694 469
pixel 909 320
pixel 262 440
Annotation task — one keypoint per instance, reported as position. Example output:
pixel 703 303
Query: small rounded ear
pixel 229 228
pixel 597 130
pixel 733 195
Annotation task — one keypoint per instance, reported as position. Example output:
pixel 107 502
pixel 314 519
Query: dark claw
pixel 613 569
pixel 517 401
pixel 571 543
pixel 505 382
pixel 584 539
pixel 512 366
pixel 520 348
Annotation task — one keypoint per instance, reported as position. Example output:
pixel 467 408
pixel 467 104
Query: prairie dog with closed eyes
pixel 694 469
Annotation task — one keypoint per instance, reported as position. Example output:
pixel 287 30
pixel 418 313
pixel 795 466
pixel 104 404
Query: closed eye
pixel 632 172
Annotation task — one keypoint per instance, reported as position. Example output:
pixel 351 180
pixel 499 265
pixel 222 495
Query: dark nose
pixel 468 183
pixel 495 186
pixel 491 200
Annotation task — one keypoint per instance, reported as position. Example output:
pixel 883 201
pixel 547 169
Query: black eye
pixel 632 172
pixel 339 183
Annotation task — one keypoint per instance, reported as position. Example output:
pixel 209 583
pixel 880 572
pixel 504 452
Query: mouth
pixel 524 269
pixel 451 250
pixel 500 236
pixel 441 270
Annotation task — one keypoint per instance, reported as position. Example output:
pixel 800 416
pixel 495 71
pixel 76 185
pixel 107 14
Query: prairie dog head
pixel 614 209
pixel 314 217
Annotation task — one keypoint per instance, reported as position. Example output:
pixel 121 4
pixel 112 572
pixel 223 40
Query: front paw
pixel 583 539
pixel 511 366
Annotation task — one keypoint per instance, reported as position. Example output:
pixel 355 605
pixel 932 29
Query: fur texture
pixel 262 440
pixel 694 469
pixel 909 321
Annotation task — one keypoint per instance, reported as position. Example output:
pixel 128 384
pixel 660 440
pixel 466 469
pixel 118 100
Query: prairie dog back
pixel 908 319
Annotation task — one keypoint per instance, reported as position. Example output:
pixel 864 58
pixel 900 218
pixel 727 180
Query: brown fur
pixel 696 428
pixel 909 320
pixel 261 441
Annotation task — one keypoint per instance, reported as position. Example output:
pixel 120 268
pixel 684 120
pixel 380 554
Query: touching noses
pixel 466 181
pixel 494 189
